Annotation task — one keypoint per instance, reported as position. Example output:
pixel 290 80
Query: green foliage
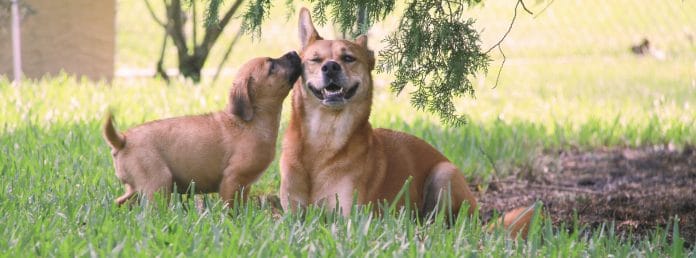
pixel 257 11
pixel 353 17
pixel 212 12
pixel 436 50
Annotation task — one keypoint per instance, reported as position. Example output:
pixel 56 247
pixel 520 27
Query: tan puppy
pixel 330 151
pixel 221 152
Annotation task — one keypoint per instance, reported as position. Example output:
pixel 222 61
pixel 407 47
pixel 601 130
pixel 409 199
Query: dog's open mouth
pixel 333 93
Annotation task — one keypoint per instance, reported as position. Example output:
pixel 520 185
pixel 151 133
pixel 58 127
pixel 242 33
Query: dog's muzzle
pixel 335 91
pixel 333 95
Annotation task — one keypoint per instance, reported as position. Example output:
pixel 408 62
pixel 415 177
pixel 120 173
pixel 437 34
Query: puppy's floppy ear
pixel 240 99
pixel 362 41
pixel 308 34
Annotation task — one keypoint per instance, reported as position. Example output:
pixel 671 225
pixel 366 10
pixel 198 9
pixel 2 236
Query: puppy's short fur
pixel 331 152
pixel 221 152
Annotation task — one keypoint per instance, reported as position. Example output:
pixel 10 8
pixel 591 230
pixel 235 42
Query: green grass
pixel 58 193
pixel 568 83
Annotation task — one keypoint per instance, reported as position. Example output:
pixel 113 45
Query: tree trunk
pixel 192 58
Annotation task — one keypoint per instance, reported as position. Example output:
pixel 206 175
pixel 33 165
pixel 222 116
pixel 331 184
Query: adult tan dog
pixel 331 152
pixel 221 152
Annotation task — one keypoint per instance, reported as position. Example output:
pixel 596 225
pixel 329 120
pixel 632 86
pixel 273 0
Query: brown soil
pixel 638 189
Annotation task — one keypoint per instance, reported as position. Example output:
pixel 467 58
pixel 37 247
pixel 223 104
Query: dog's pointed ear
pixel 362 41
pixel 308 34
pixel 371 59
pixel 240 99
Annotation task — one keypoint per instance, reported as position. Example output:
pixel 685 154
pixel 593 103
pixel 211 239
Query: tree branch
pixel 194 21
pixel 544 9
pixel 153 15
pixel 525 8
pixel 212 32
pixel 500 70
pixel 512 22
pixel 497 45
pixel 160 62
pixel 361 21
pixel 175 28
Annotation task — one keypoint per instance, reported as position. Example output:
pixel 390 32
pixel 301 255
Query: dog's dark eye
pixel 348 59
pixel 315 60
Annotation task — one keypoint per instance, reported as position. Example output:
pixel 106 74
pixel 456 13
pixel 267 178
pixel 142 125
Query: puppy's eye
pixel 272 68
pixel 315 60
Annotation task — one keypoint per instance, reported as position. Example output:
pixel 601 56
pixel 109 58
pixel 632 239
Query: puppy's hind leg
pixel 446 179
pixel 159 182
pixel 127 196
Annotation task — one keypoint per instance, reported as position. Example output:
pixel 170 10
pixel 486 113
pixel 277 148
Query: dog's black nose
pixel 330 68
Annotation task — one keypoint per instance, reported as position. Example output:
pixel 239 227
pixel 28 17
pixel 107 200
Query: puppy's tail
pixel 516 221
pixel 112 137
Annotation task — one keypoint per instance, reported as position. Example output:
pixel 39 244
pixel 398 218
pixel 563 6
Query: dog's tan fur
pixel 221 152
pixel 331 152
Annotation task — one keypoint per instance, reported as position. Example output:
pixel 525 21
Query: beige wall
pixel 77 36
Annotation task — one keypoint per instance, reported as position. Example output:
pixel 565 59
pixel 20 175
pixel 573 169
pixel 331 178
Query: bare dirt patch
pixel 638 189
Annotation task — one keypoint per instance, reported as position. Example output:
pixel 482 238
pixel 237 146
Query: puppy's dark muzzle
pixel 292 61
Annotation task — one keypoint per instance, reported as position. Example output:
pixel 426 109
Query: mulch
pixel 638 189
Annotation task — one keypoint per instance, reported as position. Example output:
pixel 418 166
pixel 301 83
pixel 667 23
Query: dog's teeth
pixel 328 92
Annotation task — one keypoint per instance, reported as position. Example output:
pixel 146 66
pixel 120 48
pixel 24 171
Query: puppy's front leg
pixel 235 184
pixel 231 187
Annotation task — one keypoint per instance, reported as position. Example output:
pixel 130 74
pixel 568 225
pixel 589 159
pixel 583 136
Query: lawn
pixel 569 82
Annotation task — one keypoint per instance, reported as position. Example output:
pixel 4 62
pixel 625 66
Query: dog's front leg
pixel 294 187
pixel 294 194
pixel 345 192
